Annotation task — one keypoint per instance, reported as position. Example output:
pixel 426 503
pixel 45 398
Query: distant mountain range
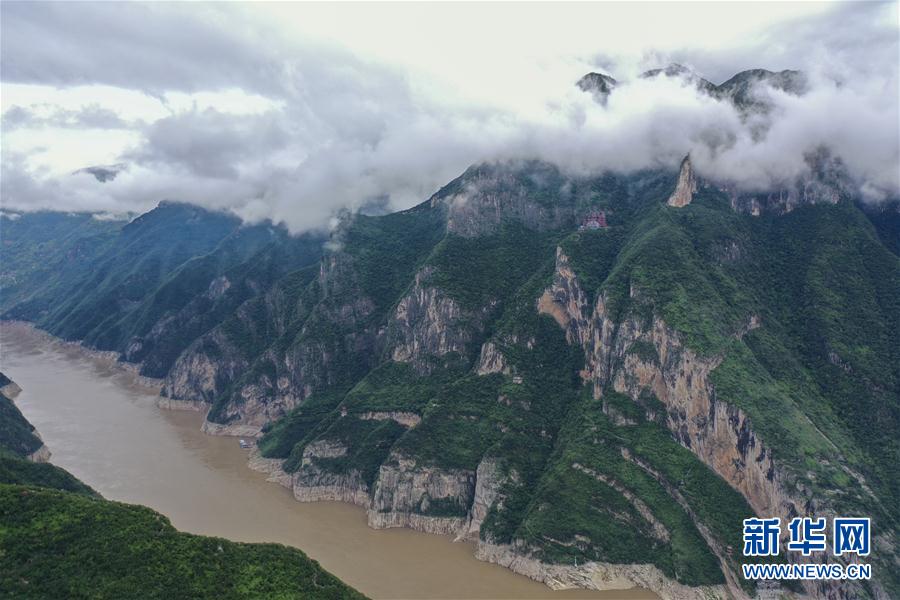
pixel 742 89
pixel 589 404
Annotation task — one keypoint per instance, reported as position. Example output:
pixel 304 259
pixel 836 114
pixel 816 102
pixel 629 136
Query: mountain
pixel 593 401
pixel 682 72
pixel 103 173
pixel 113 550
pixel 598 84
pixel 16 433
pixel 143 288
pixel 742 90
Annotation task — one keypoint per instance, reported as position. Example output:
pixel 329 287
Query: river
pixel 103 425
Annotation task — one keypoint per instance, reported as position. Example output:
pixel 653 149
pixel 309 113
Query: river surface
pixel 103 425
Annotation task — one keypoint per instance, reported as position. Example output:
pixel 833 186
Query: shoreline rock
pixel 41 455
pixel 236 429
pixel 594 575
pixel 11 390
pixel 171 404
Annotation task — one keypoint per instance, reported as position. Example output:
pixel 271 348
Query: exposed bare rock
pixel 487 195
pixel 420 497
pixel 41 455
pixel 407 419
pixel 233 429
pixel 565 301
pixel 491 360
pixel 171 404
pixel 427 323
pixel 488 481
pixel 686 186
pixel 311 483
pixel 201 373
pixel 323 449
pixel 719 434
pixel 218 287
pixel 274 467
pixel 11 390
pixel 595 575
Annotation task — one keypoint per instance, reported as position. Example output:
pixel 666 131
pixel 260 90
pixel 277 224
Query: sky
pixel 295 111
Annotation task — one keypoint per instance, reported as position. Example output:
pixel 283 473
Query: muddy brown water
pixel 103 425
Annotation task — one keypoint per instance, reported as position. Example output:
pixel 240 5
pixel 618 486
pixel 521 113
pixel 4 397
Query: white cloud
pixel 293 111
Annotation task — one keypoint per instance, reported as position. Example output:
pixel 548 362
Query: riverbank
pixel 104 425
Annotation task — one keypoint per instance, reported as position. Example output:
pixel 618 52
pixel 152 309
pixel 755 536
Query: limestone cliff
pixel 427 324
pixel 312 483
pixel 534 194
pixel 719 434
pixel 423 498
pixel 686 186
pixel 595 575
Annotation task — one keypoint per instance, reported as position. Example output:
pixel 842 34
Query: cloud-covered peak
pixel 260 115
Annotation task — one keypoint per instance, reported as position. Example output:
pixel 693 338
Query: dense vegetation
pixel 16 470
pixel 16 433
pixel 56 544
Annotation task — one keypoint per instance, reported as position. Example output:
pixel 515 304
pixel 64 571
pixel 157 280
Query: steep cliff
pixel 17 436
pixel 685 187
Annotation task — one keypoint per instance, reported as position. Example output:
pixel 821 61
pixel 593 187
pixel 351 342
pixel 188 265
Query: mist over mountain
pixel 258 128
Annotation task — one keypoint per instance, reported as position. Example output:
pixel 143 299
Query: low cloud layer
pixel 243 116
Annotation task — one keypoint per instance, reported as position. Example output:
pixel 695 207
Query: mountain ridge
pixel 484 365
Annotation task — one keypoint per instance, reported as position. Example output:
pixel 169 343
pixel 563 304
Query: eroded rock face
pixel 200 374
pixel 312 483
pixel 41 455
pixel 407 419
pixel 719 434
pixel 427 323
pixel 488 481
pixel 423 498
pixel 491 360
pixel 595 575
pixel 216 366
pixel 11 390
pixel 489 194
pixel 686 186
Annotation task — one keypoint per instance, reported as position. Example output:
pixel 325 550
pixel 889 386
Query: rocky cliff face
pixel 252 377
pixel 205 369
pixel 535 194
pixel 428 324
pixel 312 483
pixel 686 186
pixel 596 575
pixel 720 435
pixel 422 498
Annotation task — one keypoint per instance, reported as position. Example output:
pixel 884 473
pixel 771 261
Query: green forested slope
pixel 56 544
